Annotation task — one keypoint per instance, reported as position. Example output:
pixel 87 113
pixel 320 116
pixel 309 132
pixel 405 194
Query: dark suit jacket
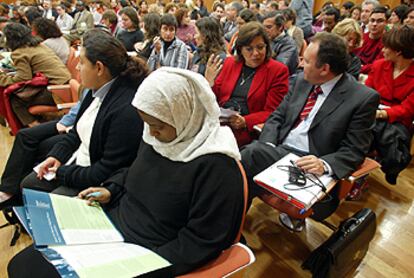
pixel 285 51
pixel 269 86
pixel 115 138
pixel 341 132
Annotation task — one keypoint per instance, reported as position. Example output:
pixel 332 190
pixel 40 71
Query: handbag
pixel 345 248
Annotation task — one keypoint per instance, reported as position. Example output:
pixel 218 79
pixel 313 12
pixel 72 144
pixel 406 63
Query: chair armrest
pixel 230 261
pixel 366 167
pixel 68 105
pixel 41 109
pixel 58 87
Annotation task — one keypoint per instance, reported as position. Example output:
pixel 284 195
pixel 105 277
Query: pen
pixel 94 194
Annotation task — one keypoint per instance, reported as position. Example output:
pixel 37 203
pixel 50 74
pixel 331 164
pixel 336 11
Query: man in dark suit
pixel 326 118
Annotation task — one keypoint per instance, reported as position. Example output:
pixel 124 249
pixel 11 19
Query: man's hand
pixel 51 164
pixel 100 194
pixel 311 164
pixel 382 114
pixel 237 122
pixel 61 128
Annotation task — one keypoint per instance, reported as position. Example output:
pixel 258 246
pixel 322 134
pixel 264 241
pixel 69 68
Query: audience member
pixel 199 5
pixel 130 33
pixel 283 46
pixel 209 41
pixel 351 31
pixel 18 16
pixel 142 8
pixel 393 78
pixel 180 136
pixel 291 29
pixel 185 29
pixel 330 19
pixel 32 13
pixel 367 7
pixel 410 17
pixel 152 25
pixel 110 21
pixel 30 57
pixel 218 11
pixel 168 50
pixel 245 16
pixel 372 43
pixel 64 21
pixel 398 15
pixel 326 118
pixel 82 21
pixel 250 83
pixel 303 9
pixel 107 127
pixel 170 8
pixel 346 9
pixel 48 11
pixel 52 37
pixel 230 26
pixel 356 13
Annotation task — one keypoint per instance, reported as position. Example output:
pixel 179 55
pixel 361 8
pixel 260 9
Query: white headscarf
pixel 184 100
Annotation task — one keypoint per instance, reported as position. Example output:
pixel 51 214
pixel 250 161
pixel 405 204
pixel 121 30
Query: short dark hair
pixel 235 5
pixel 19 35
pixel 169 20
pixel 101 46
pixel 332 51
pixel 333 11
pixel 32 13
pixel 278 17
pixel 348 5
pixel 132 14
pixel 247 15
pixel 401 11
pixel 110 15
pixel 247 33
pixel 46 28
pixel 379 10
pixel 216 5
pixel 400 39
pixel 290 14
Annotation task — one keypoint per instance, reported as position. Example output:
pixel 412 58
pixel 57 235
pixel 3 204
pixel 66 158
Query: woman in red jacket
pixel 393 78
pixel 250 83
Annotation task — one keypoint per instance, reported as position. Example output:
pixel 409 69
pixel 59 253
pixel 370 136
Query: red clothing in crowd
pixel 268 88
pixel 397 93
pixel 370 51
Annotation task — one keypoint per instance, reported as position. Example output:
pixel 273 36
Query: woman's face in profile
pixel 163 132
pixel 88 72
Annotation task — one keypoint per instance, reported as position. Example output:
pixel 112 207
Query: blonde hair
pixel 346 26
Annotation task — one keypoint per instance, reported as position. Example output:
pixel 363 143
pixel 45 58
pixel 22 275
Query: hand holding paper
pixel 47 169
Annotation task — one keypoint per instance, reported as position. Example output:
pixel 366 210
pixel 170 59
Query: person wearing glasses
pixel 251 82
pixel 371 49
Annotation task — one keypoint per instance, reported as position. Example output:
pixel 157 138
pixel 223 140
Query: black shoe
pixel 14 201
pixel 391 178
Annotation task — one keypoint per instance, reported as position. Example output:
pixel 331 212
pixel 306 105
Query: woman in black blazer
pixel 107 130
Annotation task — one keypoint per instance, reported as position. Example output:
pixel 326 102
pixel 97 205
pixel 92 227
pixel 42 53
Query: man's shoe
pixel 16 200
pixel 294 225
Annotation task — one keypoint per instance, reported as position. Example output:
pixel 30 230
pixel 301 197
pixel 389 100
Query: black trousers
pixel 258 156
pixel 31 146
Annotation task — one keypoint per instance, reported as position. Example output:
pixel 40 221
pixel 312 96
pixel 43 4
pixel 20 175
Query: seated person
pixel 283 46
pixel 230 26
pixel 393 78
pixel 352 32
pixel 209 42
pixel 31 146
pixel 106 128
pixel 168 50
pixel 188 219
pixel 30 57
pixel 152 23
pixel 409 20
pixel 250 83
pixel 186 29
pixel 131 33
pixel 371 49
pixel 327 118
pixel 245 16
pixel 52 37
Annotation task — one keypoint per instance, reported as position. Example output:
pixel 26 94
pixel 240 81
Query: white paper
pixel 227 113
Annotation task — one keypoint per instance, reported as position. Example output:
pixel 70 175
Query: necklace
pixel 244 79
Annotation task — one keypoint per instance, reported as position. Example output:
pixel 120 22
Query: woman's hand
pixel 382 114
pixel 61 128
pixel 214 65
pixel 95 194
pixel 237 122
pixel 157 44
pixel 51 164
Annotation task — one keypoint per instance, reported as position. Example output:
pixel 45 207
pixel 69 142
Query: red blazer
pixel 268 88
pixel 397 93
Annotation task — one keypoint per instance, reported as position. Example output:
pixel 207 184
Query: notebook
pixel 275 179
pixel 80 240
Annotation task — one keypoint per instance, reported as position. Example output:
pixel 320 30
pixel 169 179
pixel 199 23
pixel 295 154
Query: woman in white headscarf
pixel 183 195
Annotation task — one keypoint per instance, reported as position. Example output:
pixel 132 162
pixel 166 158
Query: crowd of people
pixel 332 88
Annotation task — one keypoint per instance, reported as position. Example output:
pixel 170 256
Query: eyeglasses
pixel 259 48
pixel 379 20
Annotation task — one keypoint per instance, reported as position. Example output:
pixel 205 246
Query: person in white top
pixel 64 21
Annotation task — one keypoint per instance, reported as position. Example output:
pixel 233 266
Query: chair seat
pixel 231 260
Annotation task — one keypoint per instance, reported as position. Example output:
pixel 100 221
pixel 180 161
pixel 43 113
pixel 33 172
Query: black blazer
pixel 341 132
pixel 115 138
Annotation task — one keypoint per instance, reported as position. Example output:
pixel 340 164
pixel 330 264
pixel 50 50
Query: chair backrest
pixel 72 64
pixel 245 197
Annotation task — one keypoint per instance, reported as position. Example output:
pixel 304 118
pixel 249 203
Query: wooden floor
pixel 280 253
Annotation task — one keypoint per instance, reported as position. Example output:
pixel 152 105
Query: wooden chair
pixel 67 93
pixel 345 186
pixel 233 259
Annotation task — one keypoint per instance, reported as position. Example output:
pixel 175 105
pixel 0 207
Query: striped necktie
pixel 310 103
